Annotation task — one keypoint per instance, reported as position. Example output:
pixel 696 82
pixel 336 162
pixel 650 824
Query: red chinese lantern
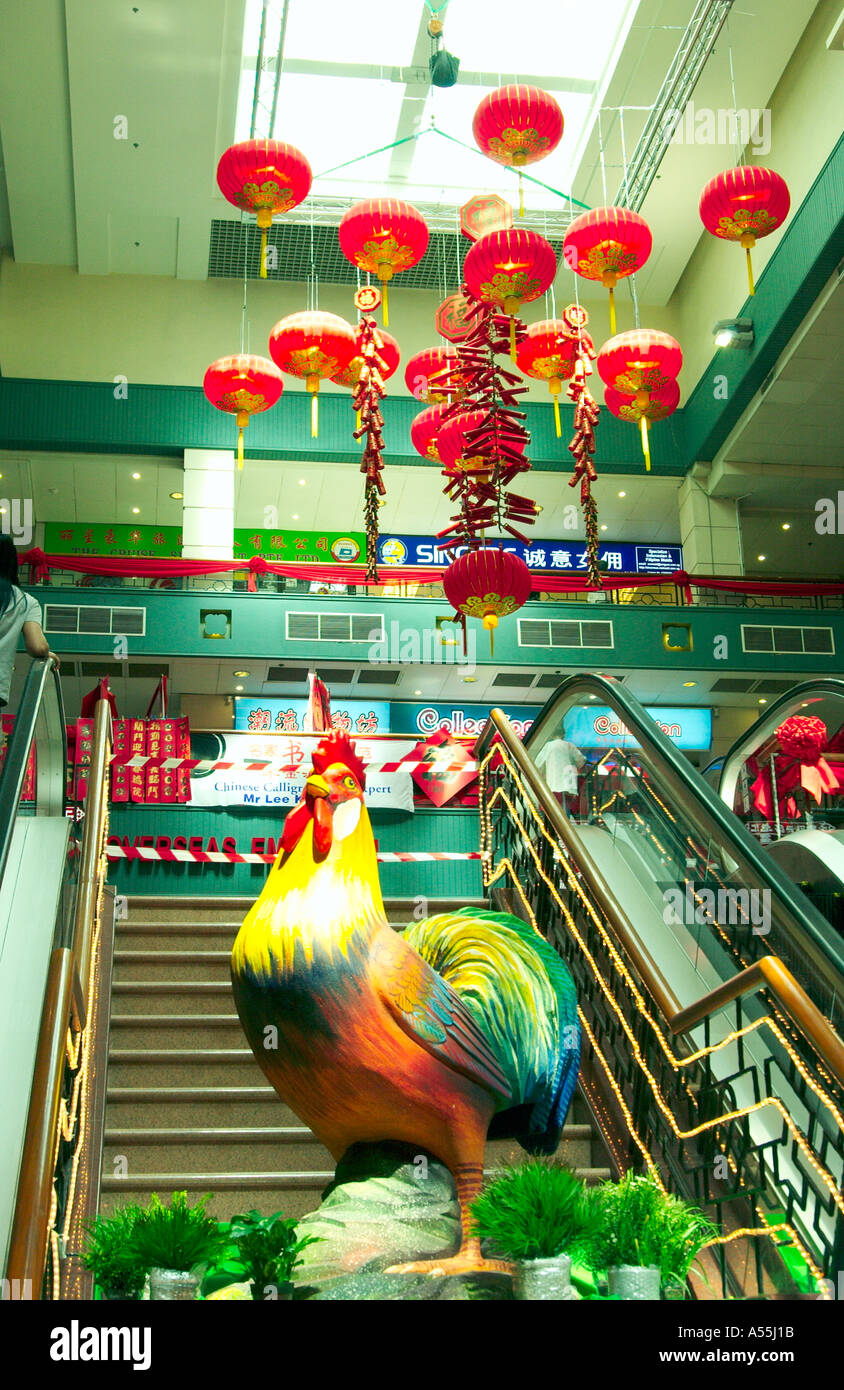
pixel 607 244
pixel 313 345
pixel 244 386
pixel 455 446
pixel 645 406
pixel 549 353
pixel 517 125
pixel 264 177
pixel 743 204
pixel 510 268
pixel 383 236
pixel 432 376
pixel 424 432
pixel 642 359
pixel 389 352
pixel 487 584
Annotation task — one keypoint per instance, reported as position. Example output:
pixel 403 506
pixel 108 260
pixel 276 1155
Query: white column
pixel 208 508
pixel 710 531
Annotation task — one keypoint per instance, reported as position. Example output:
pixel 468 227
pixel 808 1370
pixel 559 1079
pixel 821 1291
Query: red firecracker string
pixel 582 446
pixel 369 393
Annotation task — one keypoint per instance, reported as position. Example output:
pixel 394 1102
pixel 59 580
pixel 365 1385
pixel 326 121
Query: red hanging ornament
pixel 389 352
pixel 487 584
pixel 383 236
pixel 583 444
pixel 432 375
pixel 640 361
pixel 508 269
pixel 425 429
pixel 744 204
pixel 518 125
pixel 607 244
pixel 548 352
pixel 369 393
pixel 264 177
pixel 313 345
pixel 644 407
pixel 244 386
pixel 476 441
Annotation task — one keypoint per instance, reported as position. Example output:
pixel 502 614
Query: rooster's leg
pixel 468 1259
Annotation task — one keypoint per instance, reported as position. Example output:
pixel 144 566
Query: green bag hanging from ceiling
pixel 444 68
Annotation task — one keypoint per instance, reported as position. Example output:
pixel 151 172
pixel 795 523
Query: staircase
pixel 187 1105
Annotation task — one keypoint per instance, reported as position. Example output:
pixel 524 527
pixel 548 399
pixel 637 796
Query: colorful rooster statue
pixel 420 1037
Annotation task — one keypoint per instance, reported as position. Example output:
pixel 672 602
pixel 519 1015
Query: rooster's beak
pixel 316 785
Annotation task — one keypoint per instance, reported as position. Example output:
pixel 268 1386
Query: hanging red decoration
pixel 517 125
pixel 744 204
pixel 313 345
pixel 264 177
pixel 486 213
pixel 644 407
pixel 583 444
pixel 508 269
pixel 432 375
pixel 548 352
pixel 641 360
pixel 800 763
pixel 389 352
pixel 383 236
pixel 487 584
pixel 452 320
pixel 461 434
pixel 244 386
pixel 425 429
pixel 369 393
pixel 607 244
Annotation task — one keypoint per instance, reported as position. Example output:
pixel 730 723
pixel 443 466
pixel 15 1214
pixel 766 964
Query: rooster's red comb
pixel 337 748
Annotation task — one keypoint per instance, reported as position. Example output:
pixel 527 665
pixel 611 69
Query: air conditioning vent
pixel 542 632
pixel 134 670
pixel 732 685
pixel 813 640
pixel 515 680
pixel 287 675
pixel 549 680
pixel 377 675
pixel 94 621
pixel 335 627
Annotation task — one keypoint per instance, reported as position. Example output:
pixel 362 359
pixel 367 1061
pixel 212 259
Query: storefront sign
pixel 461 721
pixel 299 547
pixel 600 727
pixel 88 538
pixel 280 716
pixel 619 558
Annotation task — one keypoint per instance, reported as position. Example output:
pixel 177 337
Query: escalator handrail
pixel 791 995
pixel 818 937
pixel 30 709
pixel 753 738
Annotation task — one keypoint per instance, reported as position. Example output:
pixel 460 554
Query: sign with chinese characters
pixel 94 538
pixel 618 558
pixel 299 547
pixel 283 716
pixel 461 721
pixel 597 726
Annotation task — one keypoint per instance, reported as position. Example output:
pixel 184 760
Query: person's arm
pixel 36 643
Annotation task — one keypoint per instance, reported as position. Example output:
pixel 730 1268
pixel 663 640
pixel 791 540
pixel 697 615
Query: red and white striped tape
pixel 142 760
pixel 191 856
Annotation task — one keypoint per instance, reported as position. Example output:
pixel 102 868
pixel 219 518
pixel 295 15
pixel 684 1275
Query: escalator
pixel 710 987
pixel 54 930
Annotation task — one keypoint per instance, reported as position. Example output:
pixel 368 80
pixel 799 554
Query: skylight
pixel 354 80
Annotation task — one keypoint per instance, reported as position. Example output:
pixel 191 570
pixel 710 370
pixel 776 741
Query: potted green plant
pixel 269 1251
pixel 536 1214
pixel 644 1239
pixel 175 1243
pixel 110 1255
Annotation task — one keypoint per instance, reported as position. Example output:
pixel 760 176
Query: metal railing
pixel 735 1096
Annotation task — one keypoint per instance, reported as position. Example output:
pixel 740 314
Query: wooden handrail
pixel 769 972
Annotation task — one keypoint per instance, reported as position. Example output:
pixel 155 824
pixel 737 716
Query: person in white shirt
pixel 560 761
pixel 19 614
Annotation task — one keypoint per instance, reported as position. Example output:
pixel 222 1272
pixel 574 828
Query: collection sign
pixel 600 727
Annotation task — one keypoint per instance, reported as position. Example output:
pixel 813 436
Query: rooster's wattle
pixel 420 1037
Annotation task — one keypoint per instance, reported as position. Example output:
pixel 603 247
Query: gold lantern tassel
pixel 242 422
pixel 265 219
pixel 512 337
pixel 357 419
pixel 750 283
pixel 554 385
pixel 491 623
pixel 612 312
pixel 263 269
pixel 512 304
pixel 312 383
pixel 385 304
pixel 646 448
pixel 521 196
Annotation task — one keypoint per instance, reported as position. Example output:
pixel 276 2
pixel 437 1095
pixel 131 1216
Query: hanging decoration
pixel 488 584
pixel 451 318
pixel 313 345
pixel 508 269
pixel 244 386
pixel 390 356
pixel 457 441
pixel 518 125
pixel 265 177
pixel 369 393
pixel 583 444
pixel 643 408
pixel 383 236
pixel 743 204
pixel 798 763
pixel 432 376
pixel 607 244
pixel 486 213
pixel 548 352
pixel 425 429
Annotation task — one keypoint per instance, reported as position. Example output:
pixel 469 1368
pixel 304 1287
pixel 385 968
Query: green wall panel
pixel 423 831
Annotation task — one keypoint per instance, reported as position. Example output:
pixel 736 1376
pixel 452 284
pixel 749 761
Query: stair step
pixel 174 1067
pixel 172 967
pixel 283 1134
pixel 195 1107
pixel 294 1148
pixel 175 1030
pixel 173 996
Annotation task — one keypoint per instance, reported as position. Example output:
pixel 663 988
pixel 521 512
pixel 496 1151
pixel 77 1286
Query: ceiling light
pixel 242 673
pixel 603 528
pixel 177 496
pixel 786 526
pixel 2 511
pixel 622 494
pixel 301 482
pixel 295 516
pixel 763 702
pixel 136 475
pixel 136 510
pixel 734 333
pixel 760 557
pixel 687 684
pixel 238 687
pixel 417 692
pixel 470 680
